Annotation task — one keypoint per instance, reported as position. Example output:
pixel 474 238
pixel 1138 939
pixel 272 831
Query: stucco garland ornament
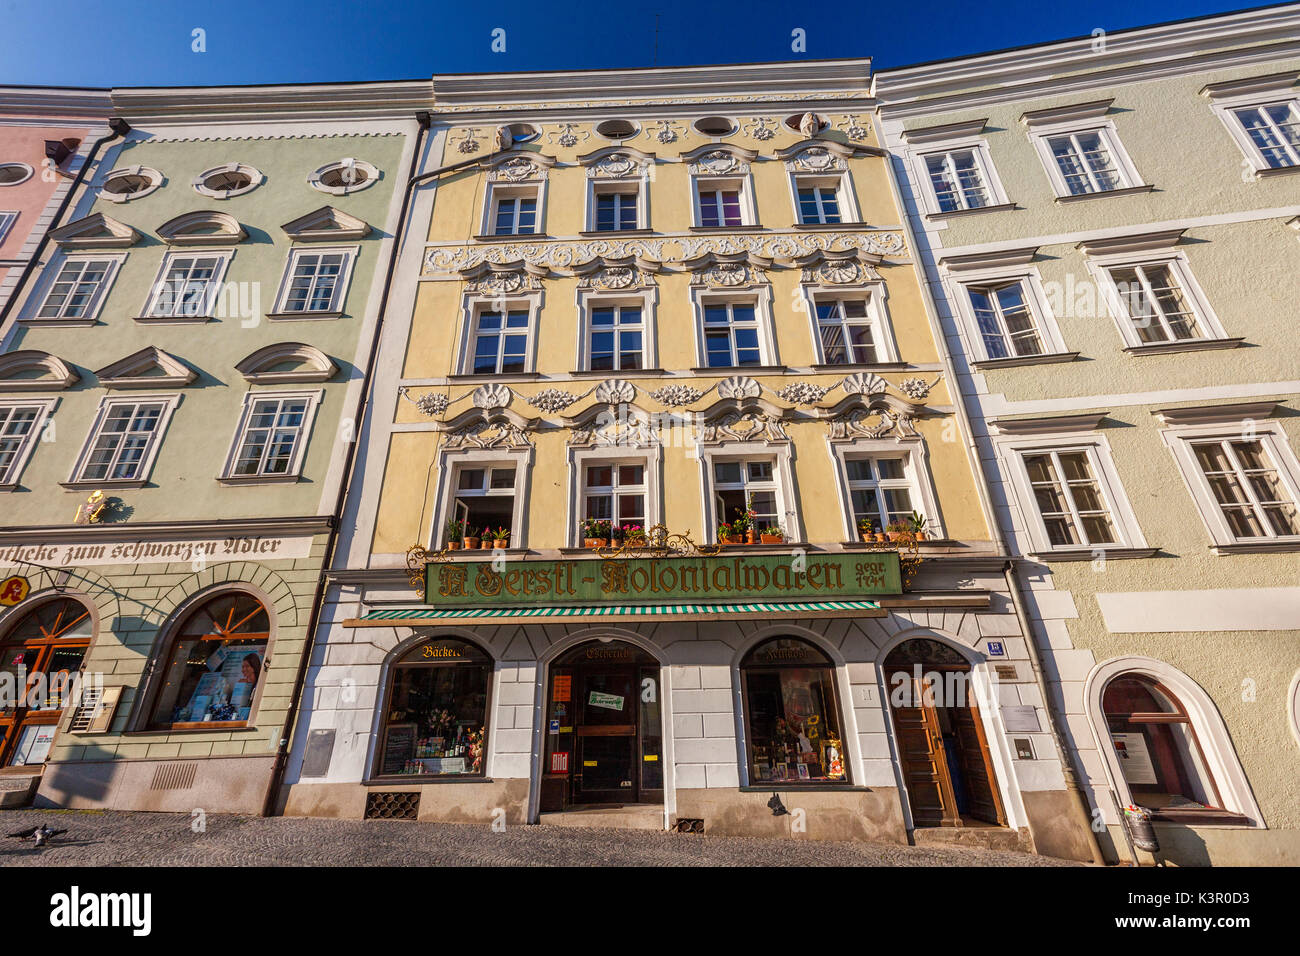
pixel 492 397
pixel 676 395
pixel 803 393
pixel 433 404
pixel 916 388
pixel 469 144
pixel 855 130
pixel 615 391
pixel 666 133
pixel 553 400
pixel 739 386
pixel 760 130
pixel 569 135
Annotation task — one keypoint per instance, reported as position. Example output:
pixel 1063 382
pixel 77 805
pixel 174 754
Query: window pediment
pixel 202 227
pixel 517 166
pixel 326 224
pixel 95 232
pixel 150 367
pixel 818 156
pixel 728 270
pixel 1074 113
pixel 719 159
pixel 854 267
pixel 286 362
pixel 616 162
pixel 30 370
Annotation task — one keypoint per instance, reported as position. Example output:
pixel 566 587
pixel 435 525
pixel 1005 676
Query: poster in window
pixel 399 747
pixel 1135 759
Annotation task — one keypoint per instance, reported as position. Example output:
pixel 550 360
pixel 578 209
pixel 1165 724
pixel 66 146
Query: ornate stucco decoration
pixel 615 391
pixel 864 383
pixel 552 399
pixel 616 275
pixel 852 267
pixel 495 433
pixel 916 388
pixel 617 162
pixel 621 426
pixel 728 270
pixel 517 167
pixel 467 143
pixel 721 159
pixel 492 397
pixel 810 124
pixel 802 393
pixel 677 396
pixel 853 129
pixel 760 130
pixel 739 387
pixel 569 135
pixel 876 421
pixel 503 278
pixel 743 426
pixel 819 156
pixel 433 404
pixel 665 131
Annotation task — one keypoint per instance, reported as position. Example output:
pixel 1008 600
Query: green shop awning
pixel 389 617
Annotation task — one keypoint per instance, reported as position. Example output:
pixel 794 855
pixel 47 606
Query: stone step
pixel 17 790
pixel 984 837
pixel 630 817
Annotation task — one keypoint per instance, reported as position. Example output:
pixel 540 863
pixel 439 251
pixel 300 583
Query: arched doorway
pixel 38 657
pixel 604 729
pixel 941 744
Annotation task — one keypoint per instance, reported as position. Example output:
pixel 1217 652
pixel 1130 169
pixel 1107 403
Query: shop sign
pixel 606 701
pixel 560 762
pixel 146 551
pixel 768 577
pixel 14 590
pixel 561 687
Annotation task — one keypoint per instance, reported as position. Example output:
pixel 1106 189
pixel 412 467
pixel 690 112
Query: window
pixel 1247 487
pixel 880 490
pixel 747 485
pixel 130 182
pixel 719 203
pixel 1274 131
pixel 7 219
pixel 214 665
pixel 714 126
pixel 616 210
pixel 1005 320
pixel 1081 150
pixel 435 718
pixel 958 180
pixel 500 342
pixel 617 129
pixel 846 331
pixel 615 492
pixel 731 336
pixel 344 177
pixel 78 289
pixel 12 174
pixel 228 181
pixel 187 286
pixel 1085 162
pixel 272 435
pixel 316 281
pixel 39 657
pixel 484 498
pixel 793 729
pixel 19 427
pixel 121 441
pixel 1069 499
pixel 617 336
pixel 514 213
pixel 819 202
pixel 1156 746
pixel 1155 304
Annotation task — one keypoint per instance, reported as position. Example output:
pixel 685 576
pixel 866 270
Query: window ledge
pixel 733 369
pixel 616 373
pixel 495 377
pixel 92 485
pixel 777 786
pixel 470 554
pixel 609 233
pixel 300 316
pixel 958 213
pixel 741 228
pixel 831 226
pixel 423 779
pixel 175 319
pixel 1016 361
pixel 1202 817
pixel 1091 554
pixel 60 323
pixel 874 545
pixel 1277 170
pixel 235 480
pixel 193 728
pixel 513 237
pixel 1186 345
pixel 862 367
pixel 1264 546
pixel 1125 191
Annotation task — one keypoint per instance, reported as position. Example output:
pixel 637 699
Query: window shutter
pixel 93 714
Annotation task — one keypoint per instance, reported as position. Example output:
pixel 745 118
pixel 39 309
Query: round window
pixel 131 182
pixel 223 182
pixel 617 129
pixel 11 174
pixel 523 132
pixel 714 126
pixel 348 175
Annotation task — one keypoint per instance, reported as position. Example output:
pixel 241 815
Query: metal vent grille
pixel 174 776
pixel 685 825
pixel 392 806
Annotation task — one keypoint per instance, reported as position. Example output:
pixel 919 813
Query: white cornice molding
pixel 188 228
pixel 939 134
pixel 1089 63
pixel 54 374
pixel 1075 112
pixel 326 224
pixel 1049 425
pixel 55 106
pixel 382 100
pixel 96 231
pixel 150 367
pixel 1252 85
pixel 1215 414
pixel 991 259
pixel 1140 242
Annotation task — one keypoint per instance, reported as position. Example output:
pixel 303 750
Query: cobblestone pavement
pixel 98 838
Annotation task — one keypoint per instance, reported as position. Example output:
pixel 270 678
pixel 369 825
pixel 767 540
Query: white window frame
pixel 45 408
pixel 30 171
pixel 743 183
pixel 783 478
pixel 580 459
pixel 1012 452
pixel 341 290
pixel 622 184
pixel 534 189
pixel 760 297
pixel 1258 92
pixel 1129 178
pixel 294 472
pixel 959 285
pixel 840 180
pixel 476 304
pixel 919 161
pixel 7 219
pixel 916 468
pixel 49 278
pixel 455 460
pixel 169 403
pixel 646 300
pixel 1180 439
pixel 882 328
pixel 1101 266
pixel 213 290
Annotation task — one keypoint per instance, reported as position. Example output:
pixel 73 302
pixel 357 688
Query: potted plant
pixel 595 532
pixel 634 534
pixel 485 539
pixel 917 524
pixel 897 530
pixel 470 538
pixel 743 527
pixel 867 529
pixel 455 531
pixel 501 538
pixel 771 534
pixel 726 535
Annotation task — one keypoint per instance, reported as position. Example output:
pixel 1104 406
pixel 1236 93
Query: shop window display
pixel 435 720
pixel 792 715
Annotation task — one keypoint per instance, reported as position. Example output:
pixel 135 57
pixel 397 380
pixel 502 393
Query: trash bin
pixel 1138 821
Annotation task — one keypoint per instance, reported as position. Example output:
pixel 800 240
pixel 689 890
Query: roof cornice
pixel 383 100
pixel 1088 63
pixel 55 105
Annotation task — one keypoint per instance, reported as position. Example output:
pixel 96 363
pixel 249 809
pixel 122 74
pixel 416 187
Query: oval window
pixel 348 175
pixel 617 129
pixel 11 174
pixel 131 182
pixel 714 126
pixel 223 182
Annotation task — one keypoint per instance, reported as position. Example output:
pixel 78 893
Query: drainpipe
pixel 117 127
pixel 1068 769
pixel 282 753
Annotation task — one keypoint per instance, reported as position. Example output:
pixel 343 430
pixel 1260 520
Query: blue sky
pixel 149 42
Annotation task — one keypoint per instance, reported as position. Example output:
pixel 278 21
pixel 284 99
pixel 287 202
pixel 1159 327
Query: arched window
pixel 793 727
pixel 1156 746
pixel 435 716
pixel 214 666
pixel 38 657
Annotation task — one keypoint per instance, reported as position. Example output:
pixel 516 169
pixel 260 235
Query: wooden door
pixel 920 750
pixel 977 765
pixel 606 761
